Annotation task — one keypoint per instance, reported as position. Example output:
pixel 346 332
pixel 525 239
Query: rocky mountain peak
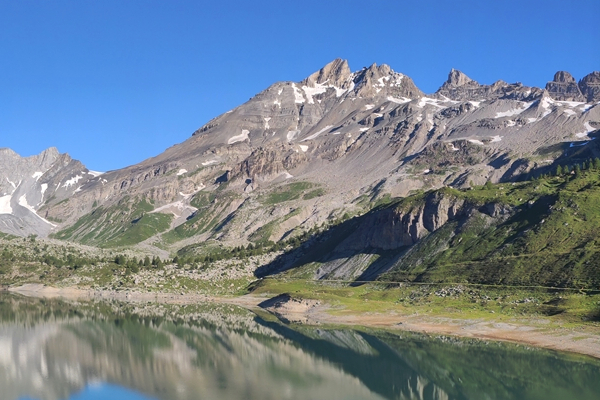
pixel 6 152
pixel 335 73
pixel 564 87
pixel 563 77
pixel 590 87
pixel 379 80
pixel 456 78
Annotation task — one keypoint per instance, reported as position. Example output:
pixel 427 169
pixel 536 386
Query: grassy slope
pixel 547 237
pixel 550 240
pixel 123 224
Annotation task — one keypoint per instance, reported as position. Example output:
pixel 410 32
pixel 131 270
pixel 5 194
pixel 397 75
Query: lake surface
pixel 62 349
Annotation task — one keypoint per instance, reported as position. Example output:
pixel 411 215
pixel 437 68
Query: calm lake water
pixel 58 350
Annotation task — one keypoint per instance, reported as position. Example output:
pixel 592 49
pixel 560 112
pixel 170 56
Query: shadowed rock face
pixel 590 87
pixel 349 134
pixel 564 87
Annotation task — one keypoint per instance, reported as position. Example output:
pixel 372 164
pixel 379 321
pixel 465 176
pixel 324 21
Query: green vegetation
pixel 210 212
pixel 289 192
pixel 549 238
pixel 562 307
pixel 123 224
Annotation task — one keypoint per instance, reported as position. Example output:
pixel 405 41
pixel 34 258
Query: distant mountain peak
pixel 590 87
pixel 335 73
pixel 457 78
pixel 564 87
pixel 563 77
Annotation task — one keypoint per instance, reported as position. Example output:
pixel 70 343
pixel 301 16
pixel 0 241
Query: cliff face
pixel 365 247
pixel 396 227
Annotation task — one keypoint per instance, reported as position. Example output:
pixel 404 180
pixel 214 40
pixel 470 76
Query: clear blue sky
pixel 113 82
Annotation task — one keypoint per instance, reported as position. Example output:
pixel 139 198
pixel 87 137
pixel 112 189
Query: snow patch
pixel 181 172
pixel 496 138
pixel 475 103
pixel 72 181
pixel 586 107
pixel 277 103
pixel 288 175
pixel 511 123
pixel 303 147
pixel 579 144
pixel 95 173
pixel 23 203
pixel 5 207
pixel 475 141
pixel 291 135
pixel 239 138
pixel 209 162
pixel 299 99
pixel 514 111
pixel 426 171
pixel 267 119
pixel 339 91
pixel 398 100
pixel 44 187
pixel 427 100
pixel 12 183
pixel 588 129
pixel 318 133
pixel 363 129
pixel 569 112
pixel 37 175
pixel 531 120
pixel 369 106
pixel 571 104
pixel 313 91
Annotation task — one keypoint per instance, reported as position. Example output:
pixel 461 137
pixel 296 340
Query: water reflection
pixel 56 350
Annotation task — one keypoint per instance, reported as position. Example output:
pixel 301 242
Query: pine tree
pixel 559 170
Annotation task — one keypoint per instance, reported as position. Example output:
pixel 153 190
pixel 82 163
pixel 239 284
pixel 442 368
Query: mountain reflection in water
pixel 58 350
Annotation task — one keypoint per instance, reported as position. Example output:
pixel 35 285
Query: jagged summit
pixel 457 78
pixel 564 87
pixel 342 133
pixel 563 77
pixel 335 73
pixel 590 87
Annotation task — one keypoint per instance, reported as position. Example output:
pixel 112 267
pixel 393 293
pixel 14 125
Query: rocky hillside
pixel 302 154
pixel 28 184
pixel 538 232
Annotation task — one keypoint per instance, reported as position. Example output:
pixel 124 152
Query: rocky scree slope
pixel 301 154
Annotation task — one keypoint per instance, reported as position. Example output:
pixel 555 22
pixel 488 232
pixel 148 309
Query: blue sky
pixel 113 82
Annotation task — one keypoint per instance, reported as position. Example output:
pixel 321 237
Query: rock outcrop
pixel 564 87
pixel 590 87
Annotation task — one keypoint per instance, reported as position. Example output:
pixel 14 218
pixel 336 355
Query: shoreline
pixel 577 341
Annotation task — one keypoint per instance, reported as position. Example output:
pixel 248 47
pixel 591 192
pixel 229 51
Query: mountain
pixel 29 183
pixel 300 155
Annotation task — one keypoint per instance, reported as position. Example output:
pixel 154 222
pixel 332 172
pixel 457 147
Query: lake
pixel 53 349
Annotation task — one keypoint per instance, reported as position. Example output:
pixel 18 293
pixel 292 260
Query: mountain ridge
pixel 348 135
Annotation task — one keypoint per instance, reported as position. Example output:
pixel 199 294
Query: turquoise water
pixel 59 350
